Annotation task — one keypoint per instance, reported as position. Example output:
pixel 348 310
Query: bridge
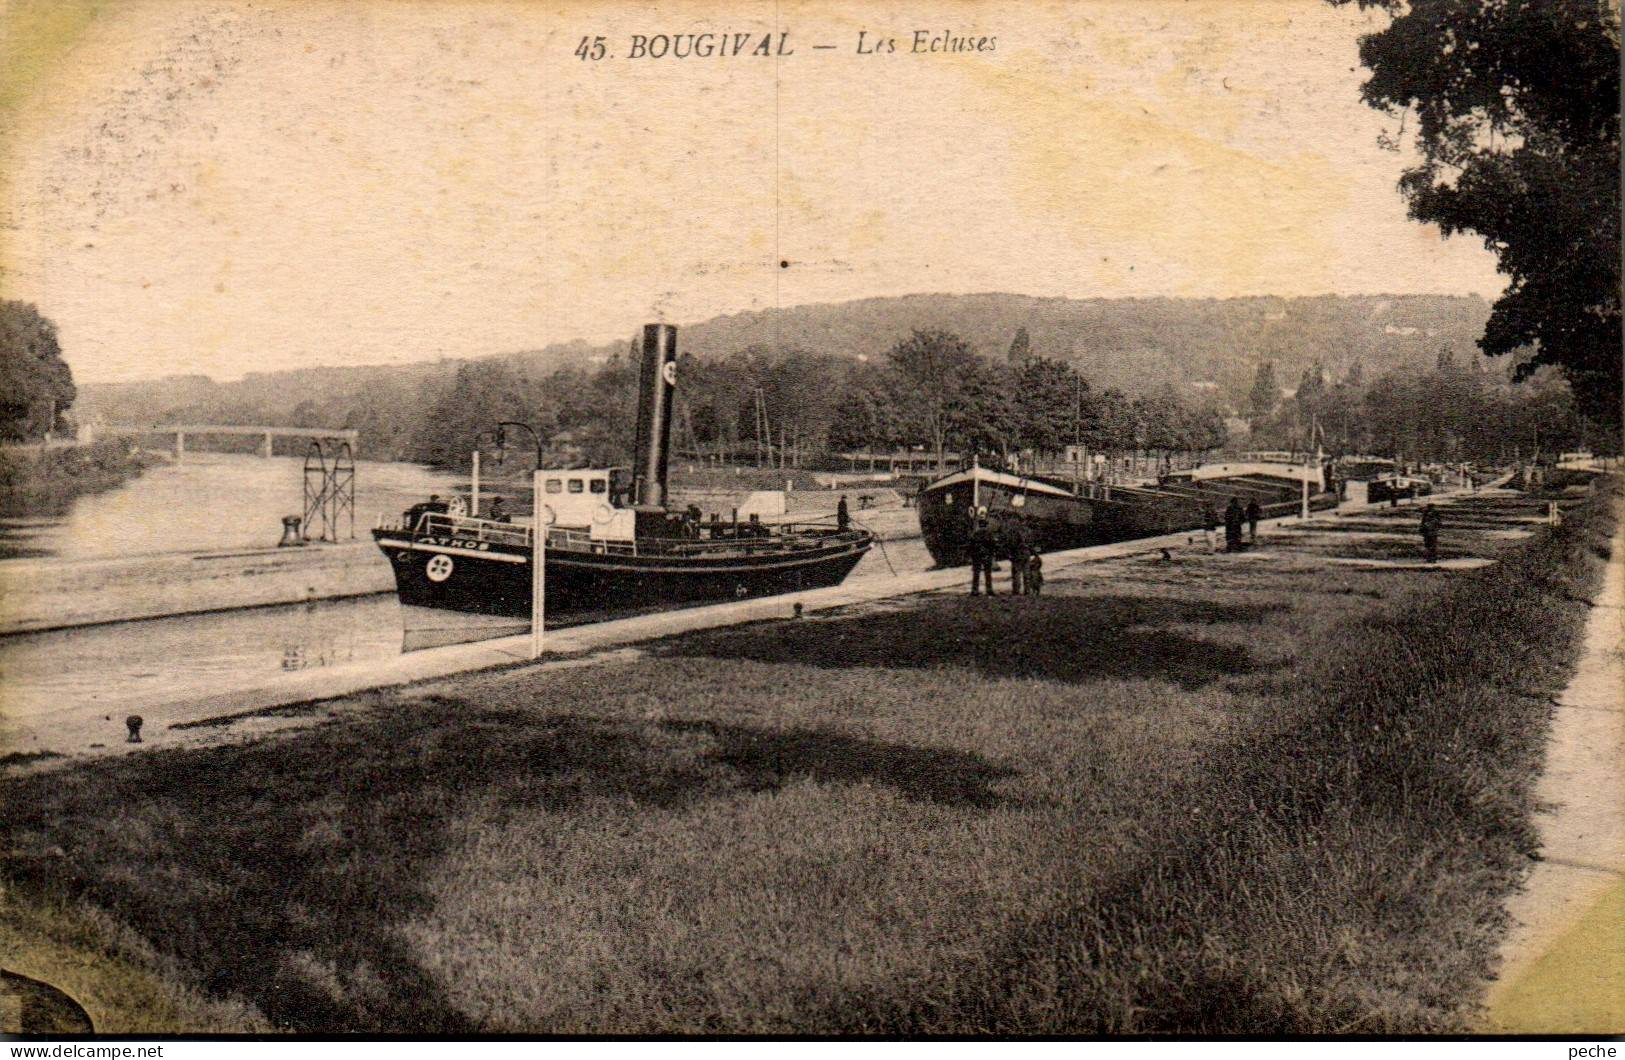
pixel 216 430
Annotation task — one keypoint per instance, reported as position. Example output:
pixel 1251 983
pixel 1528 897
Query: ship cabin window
pixel 597 485
pixel 576 485
pixel 555 485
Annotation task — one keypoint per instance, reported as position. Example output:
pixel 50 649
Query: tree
pixel 1261 400
pixel 36 385
pixel 1109 421
pixel 1517 120
pixel 479 396
pixel 1048 396
pixel 1204 430
pixel 1312 387
pixel 982 416
pixel 1020 348
pixel 305 414
pixel 1161 421
pixel 933 366
pixel 868 414
pixel 801 390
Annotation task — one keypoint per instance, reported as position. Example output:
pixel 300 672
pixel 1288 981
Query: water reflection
pixel 318 641
pixel 135 666
pixel 171 660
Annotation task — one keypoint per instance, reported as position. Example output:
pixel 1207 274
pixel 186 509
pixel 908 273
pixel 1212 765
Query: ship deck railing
pixel 463 527
pixel 779 538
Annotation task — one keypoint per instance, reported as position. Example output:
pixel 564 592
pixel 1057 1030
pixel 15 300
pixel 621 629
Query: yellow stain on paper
pixel 1578 985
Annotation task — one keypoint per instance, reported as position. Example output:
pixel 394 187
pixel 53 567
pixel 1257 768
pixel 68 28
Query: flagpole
pixel 1306 465
pixel 538 566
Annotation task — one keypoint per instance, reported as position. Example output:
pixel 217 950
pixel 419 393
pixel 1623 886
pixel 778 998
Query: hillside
pixel 1136 345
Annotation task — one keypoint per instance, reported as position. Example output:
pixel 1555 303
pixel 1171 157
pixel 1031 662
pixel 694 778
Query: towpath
pixel 1563 965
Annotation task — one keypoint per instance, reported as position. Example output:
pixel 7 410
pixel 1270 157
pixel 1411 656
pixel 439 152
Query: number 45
pixel 590 48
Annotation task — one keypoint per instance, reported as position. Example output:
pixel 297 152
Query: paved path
pixel 1563 965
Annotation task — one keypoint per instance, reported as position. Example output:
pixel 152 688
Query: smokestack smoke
pixel 656 384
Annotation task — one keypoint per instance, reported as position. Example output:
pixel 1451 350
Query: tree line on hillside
pixel 933 392
pixel 1206 349
pixel 1450 413
pixel 793 406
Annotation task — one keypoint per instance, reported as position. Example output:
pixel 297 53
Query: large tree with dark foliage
pixel 1516 105
pixel 933 367
pixel 1050 397
pixel 36 387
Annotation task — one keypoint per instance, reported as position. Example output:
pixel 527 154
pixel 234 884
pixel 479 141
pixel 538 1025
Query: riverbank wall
pixel 39 595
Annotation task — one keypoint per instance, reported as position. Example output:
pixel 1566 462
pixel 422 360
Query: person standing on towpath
pixel 1233 516
pixel 1210 526
pixel 843 517
pixel 1035 574
pixel 1254 513
pixel 1431 525
pixel 982 546
pixel 1017 549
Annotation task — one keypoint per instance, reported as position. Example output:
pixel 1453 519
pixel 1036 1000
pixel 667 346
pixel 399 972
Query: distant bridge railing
pixel 216 430
pixel 908 460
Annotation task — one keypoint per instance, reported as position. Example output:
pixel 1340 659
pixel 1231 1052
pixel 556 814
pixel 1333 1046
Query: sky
pixel 225 187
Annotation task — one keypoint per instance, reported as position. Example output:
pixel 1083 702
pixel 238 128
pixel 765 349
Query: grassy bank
pixel 1207 795
pixel 1349 872
pixel 45 481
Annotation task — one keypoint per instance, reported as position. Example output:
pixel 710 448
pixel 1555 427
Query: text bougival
pixel 706 45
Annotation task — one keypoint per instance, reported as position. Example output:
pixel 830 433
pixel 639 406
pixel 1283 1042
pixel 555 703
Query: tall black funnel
pixel 655 386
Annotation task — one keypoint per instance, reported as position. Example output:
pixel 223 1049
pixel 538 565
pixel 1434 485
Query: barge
pixel 1059 513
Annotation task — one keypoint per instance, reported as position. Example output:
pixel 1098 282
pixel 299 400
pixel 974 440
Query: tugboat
pixel 611 544
pixel 1061 514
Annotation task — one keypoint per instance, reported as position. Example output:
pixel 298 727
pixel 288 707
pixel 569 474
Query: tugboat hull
pixel 498 582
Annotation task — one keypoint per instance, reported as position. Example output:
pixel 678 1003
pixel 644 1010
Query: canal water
pixel 131 667
pixel 220 502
